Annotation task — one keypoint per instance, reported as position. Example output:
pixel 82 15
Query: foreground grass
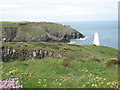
pixel 51 73
pixel 78 69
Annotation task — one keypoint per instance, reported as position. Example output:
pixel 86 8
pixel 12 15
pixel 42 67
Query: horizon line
pixel 53 21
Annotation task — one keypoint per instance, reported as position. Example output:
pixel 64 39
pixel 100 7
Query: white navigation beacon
pixel 96 39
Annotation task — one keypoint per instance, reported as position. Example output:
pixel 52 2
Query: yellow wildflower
pixel 92 85
pixel 108 83
pixel 100 78
pixel 97 77
pixel 39 82
pixel 90 74
pixel 30 75
pixel 65 80
pixel 116 86
pixel 104 79
pixel 44 79
pixel 13 71
pixel 102 82
pixel 83 86
pixel 60 84
pixel 95 85
pixel 44 85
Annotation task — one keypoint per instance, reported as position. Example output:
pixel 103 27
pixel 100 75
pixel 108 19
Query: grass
pixel 78 70
pixel 55 27
pixel 50 73
pixel 22 32
pixel 29 32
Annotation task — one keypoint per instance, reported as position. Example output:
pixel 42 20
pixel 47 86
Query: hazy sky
pixel 58 10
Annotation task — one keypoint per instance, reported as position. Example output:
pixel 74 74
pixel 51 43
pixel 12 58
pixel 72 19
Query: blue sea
pixel 107 31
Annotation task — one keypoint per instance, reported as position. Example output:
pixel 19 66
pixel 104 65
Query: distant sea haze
pixel 107 31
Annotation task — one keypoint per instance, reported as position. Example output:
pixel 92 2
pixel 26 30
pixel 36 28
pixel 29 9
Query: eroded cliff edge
pixel 39 50
pixel 38 31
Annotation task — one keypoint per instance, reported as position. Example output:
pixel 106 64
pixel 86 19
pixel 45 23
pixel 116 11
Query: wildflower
pixel 44 79
pixel 88 83
pixel 98 80
pixel 97 77
pixel 90 74
pixel 83 86
pixel 116 86
pixel 65 80
pixel 12 71
pixel 92 85
pixel 60 84
pixel 10 83
pixel 30 75
pixel 100 84
pixel 7 73
pixel 39 82
pixel 95 85
pixel 44 85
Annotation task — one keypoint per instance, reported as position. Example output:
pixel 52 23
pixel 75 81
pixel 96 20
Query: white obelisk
pixel 96 39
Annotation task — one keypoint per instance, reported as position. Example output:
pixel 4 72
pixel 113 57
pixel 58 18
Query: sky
pixel 58 10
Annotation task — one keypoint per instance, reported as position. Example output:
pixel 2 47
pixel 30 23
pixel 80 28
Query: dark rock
pixel 9 53
pixel 113 61
pixel 97 59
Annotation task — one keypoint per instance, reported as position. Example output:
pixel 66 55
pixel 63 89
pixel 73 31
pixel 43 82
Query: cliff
pixel 38 31
pixel 40 50
pixel 26 51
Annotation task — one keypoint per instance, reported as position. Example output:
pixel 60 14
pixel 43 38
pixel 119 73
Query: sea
pixel 107 31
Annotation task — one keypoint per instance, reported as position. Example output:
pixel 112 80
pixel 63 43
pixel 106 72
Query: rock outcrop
pixel 69 52
pixel 9 53
pixel 38 31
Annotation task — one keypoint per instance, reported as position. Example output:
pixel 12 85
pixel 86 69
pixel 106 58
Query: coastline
pixel 71 42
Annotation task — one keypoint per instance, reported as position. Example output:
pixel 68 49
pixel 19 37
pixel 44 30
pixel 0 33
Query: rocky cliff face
pixel 39 31
pixel 10 53
pixel 39 50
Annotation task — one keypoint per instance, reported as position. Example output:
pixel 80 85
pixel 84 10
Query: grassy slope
pixel 29 32
pixel 82 70
pixel 33 29
pixel 23 32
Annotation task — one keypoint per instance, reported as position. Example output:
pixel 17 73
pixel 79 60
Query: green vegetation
pixel 34 31
pixel 29 32
pixel 8 22
pixel 78 69
pixel 20 31
pixel 85 52
pixel 55 27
